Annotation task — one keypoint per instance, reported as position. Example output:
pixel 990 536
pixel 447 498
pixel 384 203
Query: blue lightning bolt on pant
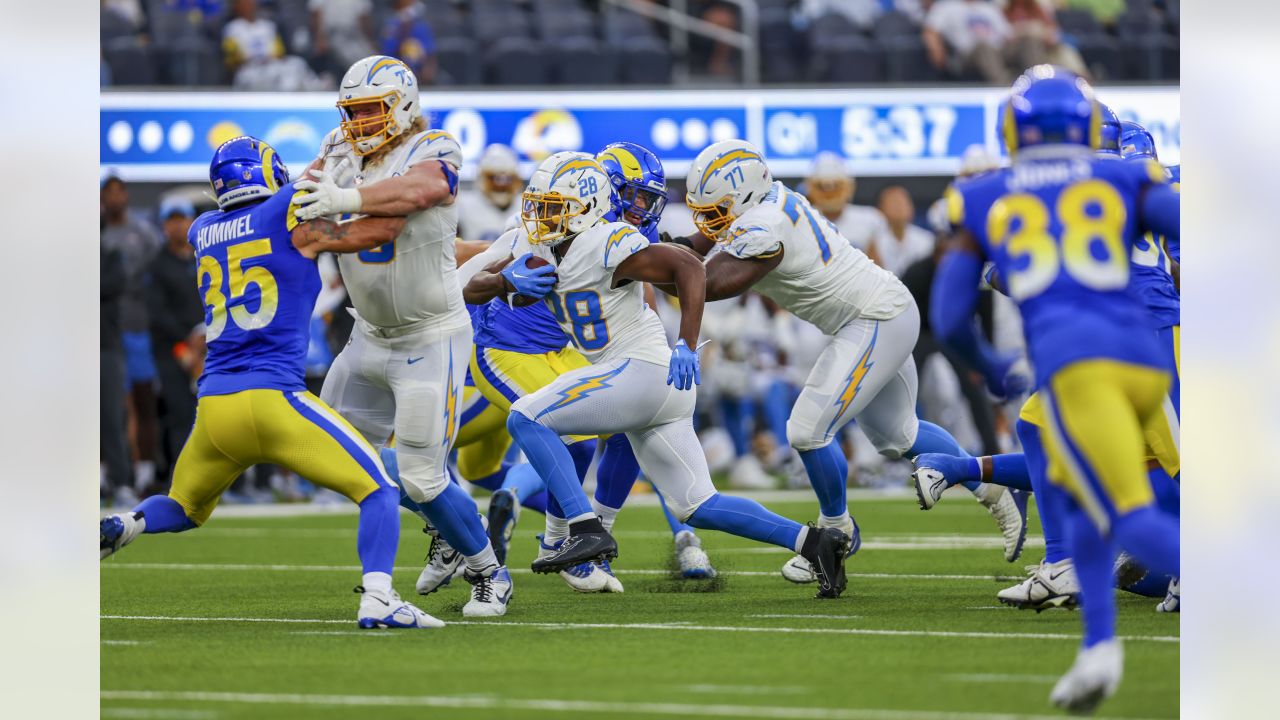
pixel 865 372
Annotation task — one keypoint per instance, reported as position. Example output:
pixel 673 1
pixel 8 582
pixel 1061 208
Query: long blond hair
pixel 418 125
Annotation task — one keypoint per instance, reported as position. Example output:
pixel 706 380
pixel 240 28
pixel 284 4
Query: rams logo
pixel 547 132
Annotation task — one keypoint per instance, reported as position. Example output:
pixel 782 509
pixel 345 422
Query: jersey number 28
pixel 239 281
pixel 1091 248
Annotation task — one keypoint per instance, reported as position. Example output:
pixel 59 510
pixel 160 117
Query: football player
pixel 829 188
pixel 774 241
pixel 258 277
pixel 591 276
pixel 1060 225
pixel 483 214
pixel 403 369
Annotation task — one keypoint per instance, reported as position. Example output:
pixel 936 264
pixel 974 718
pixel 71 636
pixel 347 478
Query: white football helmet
pixel 568 193
pixel 499 174
pixel 829 185
pixel 388 82
pixel 726 179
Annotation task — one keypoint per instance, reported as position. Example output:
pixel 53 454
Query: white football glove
pixel 321 198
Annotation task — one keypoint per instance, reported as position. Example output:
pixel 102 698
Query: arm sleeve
pixel 1160 210
pixel 952 321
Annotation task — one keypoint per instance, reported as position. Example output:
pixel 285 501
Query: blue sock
pixel 379 533
pixel 454 515
pixel 1151 537
pixel 933 439
pixel 1093 558
pixel 553 507
pixel 537 502
pixel 1168 491
pixel 163 514
pixel 673 522
pixel 392 465
pixel 617 472
pixel 828 474
pixel 1010 470
pixel 735 423
pixel 493 481
pixel 1050 499
pixel 582 453
pixel 523 480
pixel 554 463
pixel 956 470
pixel 778 401
pixel 746 518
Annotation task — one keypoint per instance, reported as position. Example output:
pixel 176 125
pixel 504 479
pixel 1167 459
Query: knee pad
pixel 683 508
pixel 803 434
pixel 895 444
pixel 422 480
pixel 414 414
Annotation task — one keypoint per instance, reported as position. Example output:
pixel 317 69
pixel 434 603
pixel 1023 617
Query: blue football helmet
pixel 1110 133
pixel 1136 142
pixel 638 180
pixel 1050 106
pixel 245 169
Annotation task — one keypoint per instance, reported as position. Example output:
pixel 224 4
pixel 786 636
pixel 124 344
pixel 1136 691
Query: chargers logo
pixel 290 131
pixel 547 132
pixel 854 382
pixel 583 388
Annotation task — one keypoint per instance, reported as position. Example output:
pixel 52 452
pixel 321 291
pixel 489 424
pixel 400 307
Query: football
pixel 527 300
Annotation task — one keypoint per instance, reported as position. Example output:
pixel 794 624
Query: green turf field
pixel 254 617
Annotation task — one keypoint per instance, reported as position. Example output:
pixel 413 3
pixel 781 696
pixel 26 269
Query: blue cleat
pixel 504 512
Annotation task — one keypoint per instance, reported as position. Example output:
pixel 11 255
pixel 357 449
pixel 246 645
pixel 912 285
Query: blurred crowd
pixel 153 335
pixel 290 45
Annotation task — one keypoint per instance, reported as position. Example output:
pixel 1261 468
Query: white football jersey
pixel 479 219
pixel 822 278
pixel 411 280
pixel 862 226
pixel 602 321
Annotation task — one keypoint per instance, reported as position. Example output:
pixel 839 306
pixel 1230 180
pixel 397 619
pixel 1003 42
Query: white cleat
pixel 386 610
pixel 1093 677
pixel 584 577
pixel 490 593
pixel 443 564
pixel 613 584
pixel 799 571
pixel 1050 585
pixel 116 531
pixel 1010 513
pixel 1172 602
pixel 929 484
pixel 694 563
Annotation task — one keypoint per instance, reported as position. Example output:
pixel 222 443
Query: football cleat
pixel 116 531
pixel 694 563
pixel 929 484
pixel 489 593
pixel 798 570
pixel 1172 602
pixel 827 559
pixel 612 583
pixel 386 610
pixel 1009 508
pixel 443 564
pixel 1093 677
pixel 575 549
pixel 587 577
pixel 1050 585
pixel 504 513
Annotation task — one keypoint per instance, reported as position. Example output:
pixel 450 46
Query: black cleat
pixel 576 549
pixel 503 511
pixel 826 550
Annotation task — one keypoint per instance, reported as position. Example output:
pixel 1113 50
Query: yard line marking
pixel 745 689
pixel 1001 678
pixel 815 617
pixel 682 627
pixel 563 706
pixel 121 642
pixel 936 542
pixel 157 713
pixel 361 633
pixel 111 564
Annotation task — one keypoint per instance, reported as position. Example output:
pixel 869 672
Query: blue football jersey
pixel 1061 230
pixel 531 329
pixel 1173 246
pixel 1152 279
pixel 258 292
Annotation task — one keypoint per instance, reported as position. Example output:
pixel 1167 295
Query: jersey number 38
pixel 1090 247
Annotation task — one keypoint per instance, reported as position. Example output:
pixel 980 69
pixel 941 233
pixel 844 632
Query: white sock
pixel 557 530
pixel 580 518
pixel 804 533
pixel 482 560
pixel 377 582
pixel 606 513
pixel 843 522
pixel 144 474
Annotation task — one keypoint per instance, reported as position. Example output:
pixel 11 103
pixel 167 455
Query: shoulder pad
pixel 621 242
pixel 434 145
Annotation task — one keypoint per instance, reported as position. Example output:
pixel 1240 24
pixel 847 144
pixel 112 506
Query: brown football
pixel 526 300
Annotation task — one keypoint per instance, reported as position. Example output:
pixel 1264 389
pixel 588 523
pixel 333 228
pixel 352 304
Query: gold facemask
pixel 376 130
pixel 546 215
pixel 713 219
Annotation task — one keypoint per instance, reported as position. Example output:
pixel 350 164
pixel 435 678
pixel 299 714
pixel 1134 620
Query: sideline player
pixel 404 366
pixel 636 385
pixel 1060 224
pixel 774 241
pixel 258 277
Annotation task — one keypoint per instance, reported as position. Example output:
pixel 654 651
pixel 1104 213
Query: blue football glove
pixel 534 282
pixel 1009 376
pixel 684 371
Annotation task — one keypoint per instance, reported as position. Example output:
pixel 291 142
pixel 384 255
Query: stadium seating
pixel 459 62
pixel 130 60
pixel 584 61
pixel 646 60
pixel 517 61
